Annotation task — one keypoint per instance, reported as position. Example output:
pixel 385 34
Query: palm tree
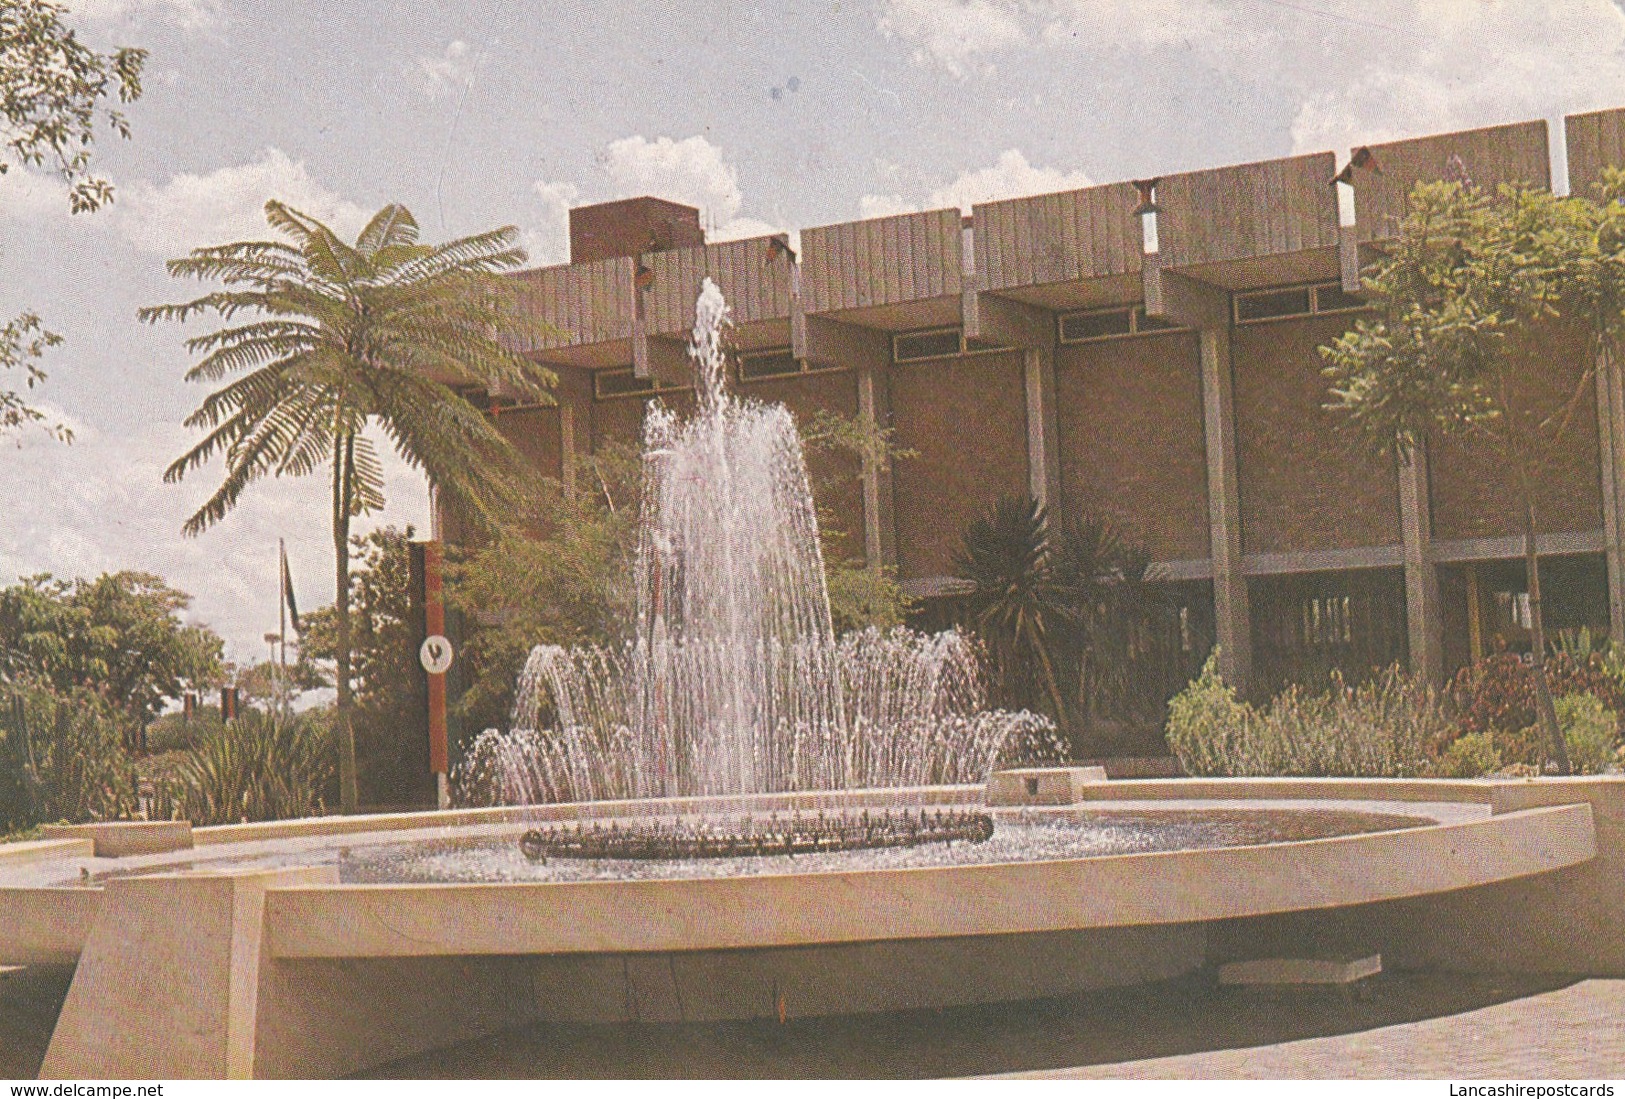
pixel 1112 593
pixel 347 339
pixel 1016 602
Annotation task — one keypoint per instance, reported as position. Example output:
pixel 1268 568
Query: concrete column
pixel 1611 451
pixel 573 395
pixel 1423 622
pixel 867 352
pixel 1043 441
pixel 879 504
pixel 1233 623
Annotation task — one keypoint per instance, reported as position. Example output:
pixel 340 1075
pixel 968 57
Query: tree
pixel 1469 276
pixel 1017 603
pixel 53 91
pixel 347 339
pixel 567 581
pixel 861 594
pixel 384 658
pixel 23 343
pixel 1066 608
pixel 121 635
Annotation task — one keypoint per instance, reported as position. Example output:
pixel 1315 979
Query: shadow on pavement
pixel 1186 1016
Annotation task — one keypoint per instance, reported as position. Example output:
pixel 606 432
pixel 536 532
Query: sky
pixel 484 113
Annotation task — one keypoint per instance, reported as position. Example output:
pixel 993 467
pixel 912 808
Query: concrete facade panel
pixel 1491 156
pixel 1595 141
pixel 1306 482
pixel 1248 210
pixel 967 420
pixel 1130 416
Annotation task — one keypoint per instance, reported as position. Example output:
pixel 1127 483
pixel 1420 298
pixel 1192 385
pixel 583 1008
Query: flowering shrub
pixel 1497 696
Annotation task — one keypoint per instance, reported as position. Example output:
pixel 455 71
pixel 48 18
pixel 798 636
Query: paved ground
pixel 1571 1033
pixel 1399 1025
pixel 1408 1025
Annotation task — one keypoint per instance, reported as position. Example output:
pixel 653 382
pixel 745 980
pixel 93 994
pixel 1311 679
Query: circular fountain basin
pixel 435 927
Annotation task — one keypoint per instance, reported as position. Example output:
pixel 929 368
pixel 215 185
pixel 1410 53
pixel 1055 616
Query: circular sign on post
pixel 435 654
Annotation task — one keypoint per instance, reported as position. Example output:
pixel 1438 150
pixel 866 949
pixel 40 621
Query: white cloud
pixel 1190 25
pixel 109 510
pixel 190 15
pixel 1010 176
pixel 31 196
pixel 449 73
pixel 884 206
pixel 692 171
pixel 1459 65
pixel 549 242
pixel 954 33
pixel 227 204
pixel 1359 71
pixel 962 36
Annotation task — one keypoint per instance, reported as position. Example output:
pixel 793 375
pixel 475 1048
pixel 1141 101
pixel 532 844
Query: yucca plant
pixel 347 339
pixel 256 767
pixel 1017 603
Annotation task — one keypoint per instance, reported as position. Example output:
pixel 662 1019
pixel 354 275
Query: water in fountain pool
pixel 1017 837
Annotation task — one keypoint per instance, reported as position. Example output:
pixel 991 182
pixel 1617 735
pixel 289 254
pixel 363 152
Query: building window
pixel 1332 298
pixel 1512 611
pixel 933 343
pixel 1307 624
pixel 1096 324
pixel 1271 304
pixel 1107 324
pixel 611 384
pixel 755 365
pixel 1294 301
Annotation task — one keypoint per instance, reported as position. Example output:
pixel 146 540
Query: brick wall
pixel 1130 416
pixel 836 478
pixel 534 432
pixel 967 418
pixel 1306 483
pixel 1475 494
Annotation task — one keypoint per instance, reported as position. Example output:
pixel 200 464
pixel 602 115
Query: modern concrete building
pixel 1144 352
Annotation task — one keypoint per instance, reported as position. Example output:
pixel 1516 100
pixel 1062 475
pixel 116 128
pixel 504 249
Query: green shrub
pixel 254 768
pixel 1471 756
pixel 1208 726
pixel 1591 730
pixel 177 732
pixel 62 758
pixel 1383 728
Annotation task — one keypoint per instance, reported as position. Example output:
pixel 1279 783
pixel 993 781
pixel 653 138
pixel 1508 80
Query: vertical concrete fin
pixel 1043 441
pixel 1611 452
pixel 1232 620
pixel 171 955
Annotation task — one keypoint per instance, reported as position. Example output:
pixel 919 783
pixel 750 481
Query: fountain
pixel 734 681
pixel 738 815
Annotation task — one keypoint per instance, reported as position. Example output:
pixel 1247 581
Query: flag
pixel 287 588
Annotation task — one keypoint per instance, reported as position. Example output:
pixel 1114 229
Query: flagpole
pixel 282 624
